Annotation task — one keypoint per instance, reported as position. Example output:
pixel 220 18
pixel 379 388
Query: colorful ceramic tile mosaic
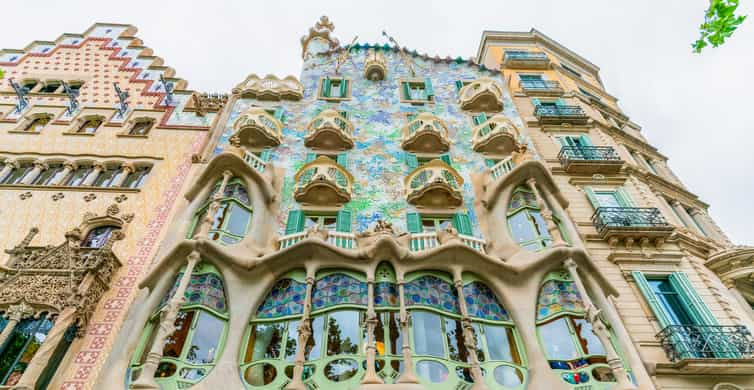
pixel 433 292
pixel 386 294
pixel 482 303
pixel 522 198
pixel 203 289
pixel 285 299
pixel 556 296
pixel 338 289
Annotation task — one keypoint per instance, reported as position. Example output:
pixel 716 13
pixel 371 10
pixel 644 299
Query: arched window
pixel 141 127
pixel 51 175
pixel 525 221
pixel 136 178
pixel 17 174
pixel 21 346
pixel 231 221
pixel 37 124
pixel 77 177
pixel 566 336
pixel 192 350
pixel 89 126
pixel 97 237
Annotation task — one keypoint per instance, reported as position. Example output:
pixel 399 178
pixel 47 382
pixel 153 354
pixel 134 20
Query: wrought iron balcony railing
pixel 588 153
pixel 682 342
pixel 540 85
pixel 628 217
pixel 525 59
pixel 561 111
pixel 525 55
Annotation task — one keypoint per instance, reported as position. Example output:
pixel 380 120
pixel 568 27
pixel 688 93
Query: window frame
pixel 321 88
pixel 428 98
pixel 227 205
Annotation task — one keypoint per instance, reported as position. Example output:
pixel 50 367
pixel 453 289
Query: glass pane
pixel 428 225
pixel 521 228
pixel 590 344
pixel 427 334
pixel 341 369
pixel 260 374
pixel 314 344
pixel 205 339
pixel 78 176
pixel 556 340
pixel 23 347
pixel 174 342
pixel 265 342
pixel 394 327
pixel 165 370
pixel 291 341
pixel 508 376
pixel 379 334
pixel 98 237
pixel 540 225
pixel 193 374
pixel 501 344
pixel 454 335
pixel 607 199
pixel 238 221
pixel 106 178
pixel 343 333
pixel 432 371
pixel 668 297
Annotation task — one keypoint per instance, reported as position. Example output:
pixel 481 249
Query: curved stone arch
pixel 27 120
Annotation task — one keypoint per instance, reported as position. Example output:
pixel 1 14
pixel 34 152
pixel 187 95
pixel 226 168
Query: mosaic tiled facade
pixel 386 220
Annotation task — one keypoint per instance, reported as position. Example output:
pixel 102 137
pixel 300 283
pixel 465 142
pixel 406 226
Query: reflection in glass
pixel 313 346
pixel 174 342
pixel 193 373
pixel 590 344
pixel 260 374
pixel 500 344
pixel 343 333
pixel 341 369
pixel 427 334
pixel 556 339
pixel 508 376
pixel 432 371
pixel 454 334
pixel 206 336
pixel 165 370
pixel 265 342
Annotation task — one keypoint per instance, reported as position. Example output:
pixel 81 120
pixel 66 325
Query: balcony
pixel 632 224
pixel 518 59
pixel 330 131
pixel 541 87
pixel 424 241
pixel 590 159
pixel 709 349
pixel 496 136
pixel 481 95
pixel 426 134
pixel 417 242
pixel 434 185
pixel 323 182
pixel 254 161
pixel 375 66
pixel 556 115
pixel 256 128
pixel 338 239
pixel 502 168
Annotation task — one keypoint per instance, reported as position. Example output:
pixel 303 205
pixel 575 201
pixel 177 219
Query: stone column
pixel 681 211
pixel 15 314
pixel 205 224
pixel 39 166
pixel 304 332
pixel 370 377
pixel 97 169
pixel 623 151
pixel 665 207
pixel 165 327
pixel 702 219
pixel 599 329
pixel 126 170
pixel 469 338
pixel 407 376
pixel 68 167
pixel 552 227
pixel 41 358
pixel 731 286
pixel 9 166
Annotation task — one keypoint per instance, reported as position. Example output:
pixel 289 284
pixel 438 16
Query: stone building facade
pixel 389 219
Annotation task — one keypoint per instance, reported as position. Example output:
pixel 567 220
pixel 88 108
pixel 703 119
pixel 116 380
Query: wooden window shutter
pixel 413 222
pixel 343 221
pixel 343 88
pixel 446 158
pixel 342 160
pixel 266 154
pixel 406 90
pixel 694 304
pixel 428 90
pixel 462 223
pixel 326 86
pixel 662 316
pixel 295 224
pixel 411 160
pixel 592 198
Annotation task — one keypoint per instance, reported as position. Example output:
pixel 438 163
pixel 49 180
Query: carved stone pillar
pixel 599 328
pixel 68 167
pixel 39 166
pixel 15 314
pixel 165 327
pixel 469 338
pixel 685 217
pixel 9 166
pixel 26 241
pixel 371 377
pixel 126 170
pixel 552 227
pixel 665 208
pixel 41 358
pixel 92 176
pixel 407 376
pixel 206 223
pixel 304 332
pixel 702 219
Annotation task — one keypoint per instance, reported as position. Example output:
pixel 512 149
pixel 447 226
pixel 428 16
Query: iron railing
pixel 587 153
pixel 559 111
pixel 540 85
pixel 628 217
pixel 525 55
pixel 706 342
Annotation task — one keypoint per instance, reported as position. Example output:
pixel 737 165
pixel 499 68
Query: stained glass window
pixel 433 292
pixel 482 303
pixel 286 298
pixel 556 296
pixel 386 294
pixel 231 220
pixel 20 348
pixel 203 289
pixel 338 289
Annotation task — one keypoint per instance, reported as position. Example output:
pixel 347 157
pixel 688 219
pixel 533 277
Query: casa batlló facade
pixel 388 220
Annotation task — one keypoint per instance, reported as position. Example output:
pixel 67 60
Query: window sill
pixel 69 188
pixel 80 134
pixel 334 99
pixel 418 102
pixel 132 135
pixel 24 132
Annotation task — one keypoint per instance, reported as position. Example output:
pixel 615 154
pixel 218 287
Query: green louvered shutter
pixel 343 222
pixel 278 114
pixel 564 140
pixel 266 154
pixel 326 86
pixel 700 313
pixel 446 158
pixel 414 222
pixel 592 197
pixel 411 160
pixel 295 222
pixel 343 114
pixel 462 223
pixel 623 198
pixel 479 119
pixel 662 316
pixel 340 178
pixel 342 160
pixel 459 84
pixel 406 90
pixel 585 140
pixel 343 88
pixel 489 162
pixel 428 90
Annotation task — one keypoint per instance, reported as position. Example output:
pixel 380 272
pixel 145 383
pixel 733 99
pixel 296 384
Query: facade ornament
pixel 321 31
pixel 121 198
pixel 202 103
pixel 25 195
pixel 113 210
pixel 58 196
pixel 27 239
pixel 270 87
pixel 90 197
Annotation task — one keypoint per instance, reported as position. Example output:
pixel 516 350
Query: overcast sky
pixel 697 109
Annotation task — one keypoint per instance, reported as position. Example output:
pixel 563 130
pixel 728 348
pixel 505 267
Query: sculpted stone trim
pixel 498 135
pixel 434 185
pixel 322 30
pixel 256 128
pixel 426 133
pixel 329 130
pixel 483 94
pixel 270 88
pixel 523 171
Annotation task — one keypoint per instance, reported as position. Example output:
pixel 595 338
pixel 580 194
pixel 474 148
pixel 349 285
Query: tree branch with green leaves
pixel 720 22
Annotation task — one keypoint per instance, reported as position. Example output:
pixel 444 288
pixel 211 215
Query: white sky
pixel 697 109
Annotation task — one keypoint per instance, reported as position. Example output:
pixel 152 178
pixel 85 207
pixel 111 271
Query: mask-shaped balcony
pixel 256 128
pixel 434 185
pixel 483 94
pixel 635 225
pixel 558 114
pixel 323 182
pixel 519 59
pixel 426 133
pixel 497 135
pixel 590 159
pixel 375 66
pixel 330 131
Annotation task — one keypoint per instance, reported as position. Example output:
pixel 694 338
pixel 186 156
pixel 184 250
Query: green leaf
pixel 720 23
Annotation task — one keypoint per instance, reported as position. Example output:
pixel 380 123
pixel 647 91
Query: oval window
pixel 508 376
pixel 341 369
pixel 165 370
pixel 260 374
pixel 432 371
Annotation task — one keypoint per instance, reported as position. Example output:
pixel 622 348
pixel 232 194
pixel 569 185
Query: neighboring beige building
pixel 388 220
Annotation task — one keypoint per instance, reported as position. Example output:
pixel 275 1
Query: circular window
pixel 432 371
pixel 260 374
pixel 308 371
pixel 341 369
pixel 508 376
pixel 165 370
